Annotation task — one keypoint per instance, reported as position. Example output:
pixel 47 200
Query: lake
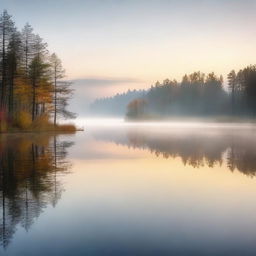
pixel 130 189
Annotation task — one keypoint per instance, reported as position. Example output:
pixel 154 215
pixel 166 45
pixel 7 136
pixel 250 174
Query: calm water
pixel 130 190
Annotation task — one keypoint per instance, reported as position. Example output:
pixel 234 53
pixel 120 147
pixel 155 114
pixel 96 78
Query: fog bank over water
pixel 175 123
pixel 231 146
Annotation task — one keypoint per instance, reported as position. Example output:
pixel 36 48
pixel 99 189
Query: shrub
pixel 3 126
pixel 23 120
pixel 41 123
pixel 66 127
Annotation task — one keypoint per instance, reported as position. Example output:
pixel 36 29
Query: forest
pixel 199 95
pixel 33 94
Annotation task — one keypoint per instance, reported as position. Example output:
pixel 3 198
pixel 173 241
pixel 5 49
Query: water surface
pixel 130 190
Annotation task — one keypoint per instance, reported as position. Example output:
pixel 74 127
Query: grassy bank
pixel 59 128
pixel 42 124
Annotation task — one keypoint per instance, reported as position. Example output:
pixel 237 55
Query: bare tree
pixel 62 91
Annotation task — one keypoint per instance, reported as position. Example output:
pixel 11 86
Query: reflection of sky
pixel 119 201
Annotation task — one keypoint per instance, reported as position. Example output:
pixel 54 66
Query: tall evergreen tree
pixel 6 31
pixel 27 38
pixel 13 61
pixel 232 85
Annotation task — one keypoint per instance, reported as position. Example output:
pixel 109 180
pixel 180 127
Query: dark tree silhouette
pixel 28 90
pixel 6 31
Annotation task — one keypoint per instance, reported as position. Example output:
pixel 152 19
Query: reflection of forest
pixel 210 147
pixel 29 167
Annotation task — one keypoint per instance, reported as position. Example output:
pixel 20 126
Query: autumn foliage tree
pixel 136 109
pixel 31 80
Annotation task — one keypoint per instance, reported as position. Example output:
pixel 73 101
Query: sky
pixel 121 44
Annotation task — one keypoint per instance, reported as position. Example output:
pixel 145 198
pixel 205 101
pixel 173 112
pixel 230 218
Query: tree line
pixel 199 94
pixel 32 89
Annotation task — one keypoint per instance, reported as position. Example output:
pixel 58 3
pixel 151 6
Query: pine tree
pixel 6 31
pixel 232 85
pixel 13 61
pixel 27 38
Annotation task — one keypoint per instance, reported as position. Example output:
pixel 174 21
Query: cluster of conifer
pixel 32 88
pixel 199 95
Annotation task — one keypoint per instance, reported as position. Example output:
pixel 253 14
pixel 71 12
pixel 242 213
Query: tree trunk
pixel 55 99
pixel 233 99
pixel 3 71
pixel 34 103
pixel 10 106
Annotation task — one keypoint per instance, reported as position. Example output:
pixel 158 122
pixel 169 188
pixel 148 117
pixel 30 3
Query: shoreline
pixel 44 128
pixel 193 119
pixel 41 131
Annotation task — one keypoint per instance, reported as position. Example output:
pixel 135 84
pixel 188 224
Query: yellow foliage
pixel 65 128
pixel 23 120
pixel 3 126
pixel 41 122
pixel 23 89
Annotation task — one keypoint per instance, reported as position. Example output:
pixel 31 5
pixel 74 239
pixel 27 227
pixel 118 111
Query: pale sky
pixel 141 41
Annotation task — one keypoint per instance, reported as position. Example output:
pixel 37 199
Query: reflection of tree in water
pixel 210 147
pixel 193 150
pixel 242 155
pixel 29 167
